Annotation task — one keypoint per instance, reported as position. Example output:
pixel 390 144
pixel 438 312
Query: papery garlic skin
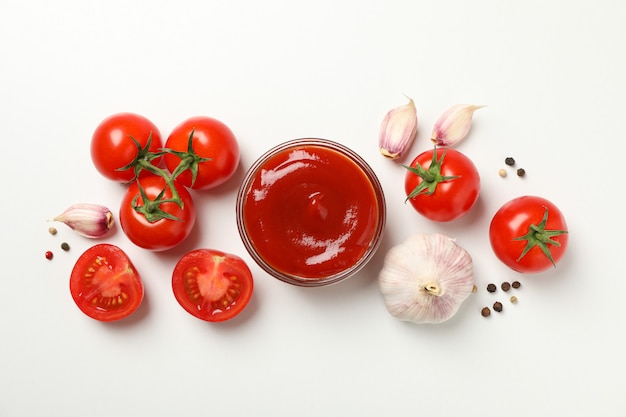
pixel 89 220
pixel 398 130
pixel 453 125
pixel 426 278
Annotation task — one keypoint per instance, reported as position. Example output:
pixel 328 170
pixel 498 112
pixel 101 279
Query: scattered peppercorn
pixel 497 306
pixel 502 173
pixel 485 312
pixel 513 299
pixel 505 286
pixel 49 255
pixel 65 246
pixel 491 287
pixel 509 161
pixel 52 230
pixel 521 172
pixel 474 288
pixel 516 284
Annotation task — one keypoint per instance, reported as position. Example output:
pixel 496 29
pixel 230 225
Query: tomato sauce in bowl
pixel 311 212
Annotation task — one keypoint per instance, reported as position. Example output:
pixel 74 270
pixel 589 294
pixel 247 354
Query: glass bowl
pixel 311 212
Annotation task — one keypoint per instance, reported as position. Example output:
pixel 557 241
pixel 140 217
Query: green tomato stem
pixel 539 236
pixel 189 160
pixel 431 176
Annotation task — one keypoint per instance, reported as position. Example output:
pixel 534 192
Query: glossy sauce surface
pixel 310 211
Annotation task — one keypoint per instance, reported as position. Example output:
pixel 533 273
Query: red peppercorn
pixel 49 255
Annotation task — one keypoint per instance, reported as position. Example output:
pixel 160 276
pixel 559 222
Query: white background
pixel 552 76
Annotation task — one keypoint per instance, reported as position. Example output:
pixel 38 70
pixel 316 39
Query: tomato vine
pixel 189 160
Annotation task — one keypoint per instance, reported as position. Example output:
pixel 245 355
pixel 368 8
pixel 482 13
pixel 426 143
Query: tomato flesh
pixel 512 222
pixel 212 285
pixel 104 283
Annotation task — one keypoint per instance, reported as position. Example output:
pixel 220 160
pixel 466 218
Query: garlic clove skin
pixel 426 278
pixel 398 130
pixel 89 220
pixel 453 125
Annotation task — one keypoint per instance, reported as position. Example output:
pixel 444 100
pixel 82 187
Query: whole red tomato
pixel 215 148
pixel 442 186
pixel 104 283
pixel 529 234
pixel 155 226
pixel 212 285
pixel 112 145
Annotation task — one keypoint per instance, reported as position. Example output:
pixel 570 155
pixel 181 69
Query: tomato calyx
pixel 189 160
pixel 143 160
pixel 431 176
pixel 538 236
pixel 151 209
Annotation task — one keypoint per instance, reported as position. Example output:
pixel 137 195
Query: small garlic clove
pixel 453 125
pixel 89 220
pixel 426 278
pixel 398 130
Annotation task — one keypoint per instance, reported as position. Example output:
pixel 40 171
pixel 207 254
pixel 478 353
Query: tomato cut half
pixel 104 283
pixel 212 285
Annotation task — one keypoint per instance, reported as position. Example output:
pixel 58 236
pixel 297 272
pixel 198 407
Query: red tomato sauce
pixel 310 211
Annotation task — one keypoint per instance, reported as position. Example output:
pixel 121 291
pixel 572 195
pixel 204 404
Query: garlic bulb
pixel 426 278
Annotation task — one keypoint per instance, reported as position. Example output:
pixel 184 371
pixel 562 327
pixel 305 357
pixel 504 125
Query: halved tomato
pixel 212 285
pixel 104 283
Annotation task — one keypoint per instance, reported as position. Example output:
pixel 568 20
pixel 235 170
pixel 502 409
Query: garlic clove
pixel 453 125
pixel 426 278
pixel 398 130
pixel 89 220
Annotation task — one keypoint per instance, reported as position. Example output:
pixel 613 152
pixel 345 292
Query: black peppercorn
pixel 497 306
pixel 509 161
pixel 485 312
pixel 516 284
pixel 65 246
pixel 491 287
pixel 505 286
pixel 521 172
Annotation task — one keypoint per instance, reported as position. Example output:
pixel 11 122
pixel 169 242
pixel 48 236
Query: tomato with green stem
pixel 529 234
pixel 157 213
pixel 442 184
pixel 202 153
pixel 104 283
pixel 212 285
pixel 122 139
